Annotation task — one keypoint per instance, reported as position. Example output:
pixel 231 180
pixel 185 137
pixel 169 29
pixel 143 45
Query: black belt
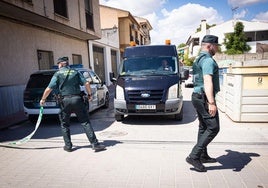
pixel 69 96
pixel 198 95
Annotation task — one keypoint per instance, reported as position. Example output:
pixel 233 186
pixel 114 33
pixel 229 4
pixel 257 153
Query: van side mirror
pixel 112 78
pixel 184 74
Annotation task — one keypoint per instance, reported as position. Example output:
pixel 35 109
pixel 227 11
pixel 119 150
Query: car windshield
pixel 139 66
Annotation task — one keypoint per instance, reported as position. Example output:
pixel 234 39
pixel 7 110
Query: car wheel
pixel 179 116
pixel 107 100
pixel 119 117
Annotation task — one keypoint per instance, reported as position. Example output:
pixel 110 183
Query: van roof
pixel 150 51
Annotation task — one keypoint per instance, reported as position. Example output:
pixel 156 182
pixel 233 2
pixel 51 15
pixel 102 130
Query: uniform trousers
pixel 208 126
pixel 75 104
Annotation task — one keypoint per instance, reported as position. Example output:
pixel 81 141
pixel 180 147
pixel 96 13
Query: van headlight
pixel 173 92
pixel 119 93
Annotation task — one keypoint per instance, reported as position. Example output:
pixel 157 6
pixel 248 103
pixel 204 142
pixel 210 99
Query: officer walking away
pixel 68 82
pixel 206 86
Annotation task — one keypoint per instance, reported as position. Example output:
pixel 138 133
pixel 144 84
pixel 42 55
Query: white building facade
pixel 256 34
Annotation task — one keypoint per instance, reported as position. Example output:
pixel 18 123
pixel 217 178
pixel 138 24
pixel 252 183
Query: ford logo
pixel 145 95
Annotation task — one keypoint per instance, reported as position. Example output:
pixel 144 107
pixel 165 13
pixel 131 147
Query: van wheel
pixel 106 102
pixel 119 117
pixel 179 116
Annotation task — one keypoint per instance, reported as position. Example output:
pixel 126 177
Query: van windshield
pixel 149 66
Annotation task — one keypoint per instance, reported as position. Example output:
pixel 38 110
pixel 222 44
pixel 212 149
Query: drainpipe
pixel 79 15
pixel 45 8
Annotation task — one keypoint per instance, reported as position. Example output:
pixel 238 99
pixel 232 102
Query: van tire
pixel 179 116
pixel 119 117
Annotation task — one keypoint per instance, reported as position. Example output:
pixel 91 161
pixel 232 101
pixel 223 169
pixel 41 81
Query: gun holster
pixel 58 98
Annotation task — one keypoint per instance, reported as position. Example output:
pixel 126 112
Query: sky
pixel 176 20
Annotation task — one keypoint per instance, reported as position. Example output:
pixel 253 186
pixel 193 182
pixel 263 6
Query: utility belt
pixel 199 95
pixel 59 98
pixel 70 96
pixel 203 97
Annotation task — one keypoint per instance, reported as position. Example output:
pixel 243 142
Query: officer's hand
pixel 42 102
pixel 89 97
pixel 212 109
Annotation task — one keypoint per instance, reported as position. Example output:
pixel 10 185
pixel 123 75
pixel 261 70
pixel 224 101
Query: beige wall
pixel 19 45
pixel 124 30
pixel 108 17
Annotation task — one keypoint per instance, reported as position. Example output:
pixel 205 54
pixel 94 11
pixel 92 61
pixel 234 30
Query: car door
pixel 93 104
pixel 99 87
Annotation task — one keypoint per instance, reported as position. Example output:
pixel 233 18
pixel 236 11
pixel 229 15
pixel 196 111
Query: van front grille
pixel 145 95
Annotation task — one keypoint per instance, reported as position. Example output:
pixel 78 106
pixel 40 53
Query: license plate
pixel 145 107
pixel 50 104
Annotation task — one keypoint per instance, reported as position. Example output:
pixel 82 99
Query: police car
pixel 39 80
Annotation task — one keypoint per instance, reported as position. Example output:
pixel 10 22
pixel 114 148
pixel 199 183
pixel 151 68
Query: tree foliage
pixel 235 42
pixel 181 45
pixel 188 61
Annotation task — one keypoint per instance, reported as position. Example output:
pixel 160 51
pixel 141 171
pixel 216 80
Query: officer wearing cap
pixel 206 86
pixel 68 81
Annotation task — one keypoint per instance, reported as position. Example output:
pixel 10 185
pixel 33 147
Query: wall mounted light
pixel 114 28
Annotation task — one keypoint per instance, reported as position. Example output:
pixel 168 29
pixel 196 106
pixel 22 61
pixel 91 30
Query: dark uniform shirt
pixel 71 86
pixel 205 65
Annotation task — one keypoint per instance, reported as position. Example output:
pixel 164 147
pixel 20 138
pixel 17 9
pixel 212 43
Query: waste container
pixel 245 92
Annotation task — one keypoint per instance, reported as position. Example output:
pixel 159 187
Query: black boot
pixel 98 147
pixel 196 164
pixel 207 159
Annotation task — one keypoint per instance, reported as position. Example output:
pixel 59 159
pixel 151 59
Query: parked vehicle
pixel 189 82
pixel 39 80
pixel 149 82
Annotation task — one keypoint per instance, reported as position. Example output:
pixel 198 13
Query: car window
pixel 87 76
pixel 95 78
pixel 39 81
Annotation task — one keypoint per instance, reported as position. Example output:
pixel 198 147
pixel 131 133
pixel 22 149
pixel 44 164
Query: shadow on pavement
pixel 50 127
pixel 107 143
pixel 233 160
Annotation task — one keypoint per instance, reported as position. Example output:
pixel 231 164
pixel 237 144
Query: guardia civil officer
pixel 68 82
pixel 206 86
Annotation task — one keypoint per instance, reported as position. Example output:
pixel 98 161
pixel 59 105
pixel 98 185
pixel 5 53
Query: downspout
pixel 45 8
pixel 79 15
pixel 81 28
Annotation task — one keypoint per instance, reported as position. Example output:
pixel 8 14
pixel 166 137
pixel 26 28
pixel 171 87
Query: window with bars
pixel 45 59
pixel 89 14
